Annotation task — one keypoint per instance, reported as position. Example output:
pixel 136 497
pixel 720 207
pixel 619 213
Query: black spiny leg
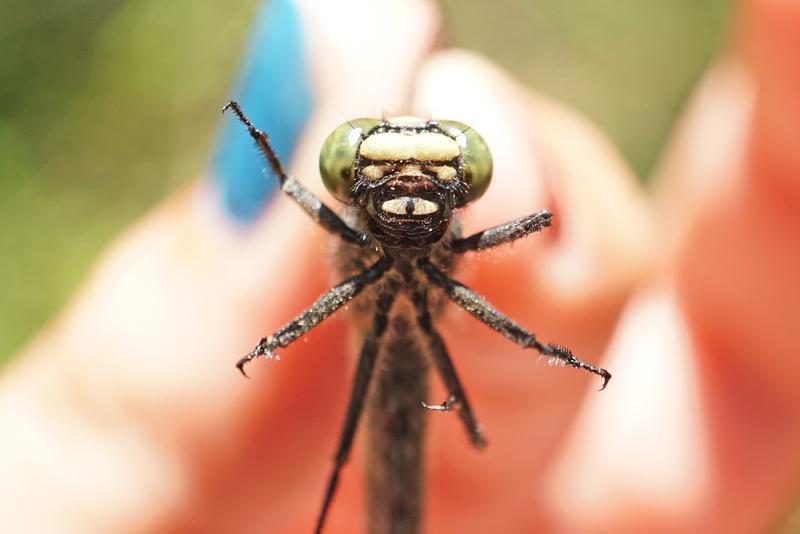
pixel 438 352
pixel 358 393
pixel 504 233
pixel 484 312
pixel 326 305
pixel 309 202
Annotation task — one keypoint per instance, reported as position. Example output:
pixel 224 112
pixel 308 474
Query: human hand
pixel 149 427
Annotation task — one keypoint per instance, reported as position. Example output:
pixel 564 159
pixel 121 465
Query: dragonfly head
pixel 407 174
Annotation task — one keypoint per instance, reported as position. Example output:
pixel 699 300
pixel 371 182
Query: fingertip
pixel 365 53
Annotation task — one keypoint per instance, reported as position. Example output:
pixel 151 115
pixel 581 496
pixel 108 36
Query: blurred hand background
pixel 125 413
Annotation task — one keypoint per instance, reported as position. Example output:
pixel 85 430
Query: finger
pixel 737 265
pixel 726 211
pixel 545 157
pixel 634 461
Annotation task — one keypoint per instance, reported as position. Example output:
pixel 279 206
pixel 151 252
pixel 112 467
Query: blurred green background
pixel 105 107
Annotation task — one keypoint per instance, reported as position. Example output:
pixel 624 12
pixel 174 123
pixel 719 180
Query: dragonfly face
pixel 406 175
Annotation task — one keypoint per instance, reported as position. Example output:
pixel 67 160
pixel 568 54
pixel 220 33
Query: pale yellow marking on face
pixel 426 146
pixel 411 170
pixel 399 206
pixel 444 172
pixel 374 172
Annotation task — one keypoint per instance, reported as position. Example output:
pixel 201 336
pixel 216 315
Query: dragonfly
pixel 402 180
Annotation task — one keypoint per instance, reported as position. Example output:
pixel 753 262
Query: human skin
pixel 126 413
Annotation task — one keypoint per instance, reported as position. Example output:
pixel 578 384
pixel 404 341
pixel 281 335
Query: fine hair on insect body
pixel 402 180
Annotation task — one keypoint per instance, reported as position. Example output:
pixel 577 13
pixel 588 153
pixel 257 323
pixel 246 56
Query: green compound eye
pixel 338 154
pixel 476 157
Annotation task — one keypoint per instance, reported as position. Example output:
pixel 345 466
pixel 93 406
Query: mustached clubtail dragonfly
pixel 402 180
